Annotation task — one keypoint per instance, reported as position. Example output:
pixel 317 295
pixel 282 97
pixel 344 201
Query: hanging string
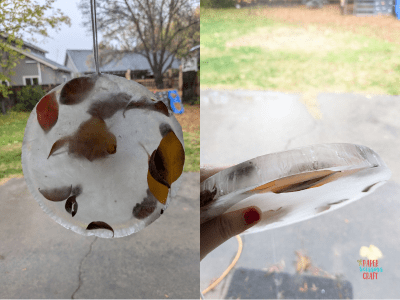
pixel 94 29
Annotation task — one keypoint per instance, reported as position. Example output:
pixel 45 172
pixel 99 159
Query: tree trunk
pixel 158 78
pixel 3 106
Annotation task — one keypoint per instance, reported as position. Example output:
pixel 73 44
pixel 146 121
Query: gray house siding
pixel 37 67
pixel 70 65
pixel 47 74
pixel 50 76
pixel 23 69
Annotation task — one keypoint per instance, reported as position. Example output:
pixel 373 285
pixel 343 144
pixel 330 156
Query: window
pixel 31 80
pixel 5 82
pixel 64 78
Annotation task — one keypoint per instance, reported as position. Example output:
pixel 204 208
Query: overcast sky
pixel 74 37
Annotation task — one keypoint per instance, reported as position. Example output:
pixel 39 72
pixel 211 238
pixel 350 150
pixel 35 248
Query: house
pixel 36 69
pixel 81 62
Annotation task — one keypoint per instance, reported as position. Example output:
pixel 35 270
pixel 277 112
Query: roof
pixel 57 65
pixel 128 60
pixel 42 59
pixel 5 35
pixel 35 47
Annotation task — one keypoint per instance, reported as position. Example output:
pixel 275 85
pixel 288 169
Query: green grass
pixel 192 151
pixel 354 63
pixel 12 127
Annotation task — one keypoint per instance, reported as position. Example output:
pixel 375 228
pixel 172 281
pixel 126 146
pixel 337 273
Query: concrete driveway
pixel 41 259
pixel 240 125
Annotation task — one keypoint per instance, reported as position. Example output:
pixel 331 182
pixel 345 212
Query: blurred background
pixel 277 75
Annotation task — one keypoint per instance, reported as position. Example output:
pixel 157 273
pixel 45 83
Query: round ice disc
pixel 102 155
pixel 295 185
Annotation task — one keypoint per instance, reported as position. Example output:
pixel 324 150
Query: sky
pixel 74 37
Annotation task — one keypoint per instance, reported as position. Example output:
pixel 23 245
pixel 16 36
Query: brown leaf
pixel 157 168
pixel 207 196
pixel 76 90
pixel 58 144
pixel 71 206
pixel 143 103
pixel 296 182
pixel 161 108
pixel 366 190
pixel 57 194
pixel 77 190
pixel 93 140
pixel 301 185
pixel 146 208
pixel 164 129
pixel 108 105
pixel 99 225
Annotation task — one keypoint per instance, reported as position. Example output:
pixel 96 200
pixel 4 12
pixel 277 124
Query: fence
pixel 150 84
pixel 8 103
pixel 247 3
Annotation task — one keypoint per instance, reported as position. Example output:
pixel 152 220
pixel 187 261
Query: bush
pixel 28 97
pixel 217 3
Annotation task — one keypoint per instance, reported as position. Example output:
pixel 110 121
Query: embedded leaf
pixel 47 111
pixel 366 190
pixel 338 202
pixel 171 157
pixel 157 168
pixel 108 105
pixel 161 108
pixel 71 206
pixel 57 145
pixel 160 191
pixel 77 190
pixel 296 182
pixel 142 103
pixel 164 129
pixel 93 140
pixel 146 208
pixel 99 225
pixel 302 185
pixel 57 194
pixel 242 170
pixel 165 166
pixel 207 196
pixel 76 90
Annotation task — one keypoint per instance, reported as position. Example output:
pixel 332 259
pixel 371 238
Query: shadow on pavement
pixel 256 284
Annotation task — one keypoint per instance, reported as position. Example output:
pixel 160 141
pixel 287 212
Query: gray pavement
pixel 41 259
pixel 239 125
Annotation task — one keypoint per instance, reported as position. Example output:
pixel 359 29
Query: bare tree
pixel 160 30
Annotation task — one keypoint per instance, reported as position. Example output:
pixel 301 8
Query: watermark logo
pixel 370 267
